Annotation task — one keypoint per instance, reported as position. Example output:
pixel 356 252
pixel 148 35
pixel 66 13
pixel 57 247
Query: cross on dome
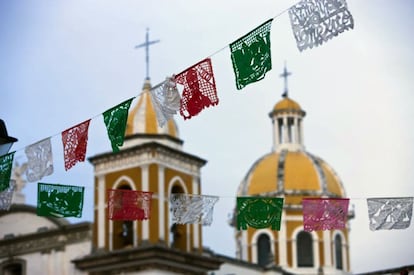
pixel 285 75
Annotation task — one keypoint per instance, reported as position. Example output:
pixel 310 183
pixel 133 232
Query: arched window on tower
pixel 123 230
pixel 178 232
pixel 338 252
pixel 263 250
pixel 304 249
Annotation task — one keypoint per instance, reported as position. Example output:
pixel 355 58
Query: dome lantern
pixel 287 116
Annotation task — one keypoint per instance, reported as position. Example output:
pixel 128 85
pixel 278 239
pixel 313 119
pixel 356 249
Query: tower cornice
pixel 145 154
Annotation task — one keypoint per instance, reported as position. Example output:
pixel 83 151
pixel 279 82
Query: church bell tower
pixel 151 160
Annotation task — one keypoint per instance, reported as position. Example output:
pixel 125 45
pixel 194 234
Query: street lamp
pixel 6 141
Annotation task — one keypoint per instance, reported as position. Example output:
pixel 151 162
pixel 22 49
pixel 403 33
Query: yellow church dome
pixel 289 170
pixel 142 118
pixel 291 174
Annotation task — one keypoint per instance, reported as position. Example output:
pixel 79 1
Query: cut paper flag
pixel 39 160
pixel 129 205
pixel 324 213
pixel 6 196
pixel 316 21
pixel 75 141
pixel 390 213
pixel 251 56
pixel 6 165
pixel 166 100
pixel 199 88
pixel 115 120
pixel 59 200
pixel 195 209
pixel 259 212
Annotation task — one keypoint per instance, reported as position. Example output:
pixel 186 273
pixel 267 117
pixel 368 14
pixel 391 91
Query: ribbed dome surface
pixel 291 174
pixel 142 118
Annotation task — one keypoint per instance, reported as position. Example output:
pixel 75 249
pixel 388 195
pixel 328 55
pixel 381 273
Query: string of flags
pixel 192 208
pixel 251 56
pixel 259 212
pixel 40 160
pixel 390 213
pixel 166 100
pixel 6 164
pixel 6 197
pixel 256 212
pixel 115 121
pixel 129 204
pixel 75 141
pixel 313 23
pixel 324 214
pixel 316 21
pixel 59 201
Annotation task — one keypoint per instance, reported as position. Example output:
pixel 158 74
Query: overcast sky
pixel 63 62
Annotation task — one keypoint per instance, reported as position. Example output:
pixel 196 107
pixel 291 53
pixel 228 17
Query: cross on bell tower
pixel 285 75
pixel 146 44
